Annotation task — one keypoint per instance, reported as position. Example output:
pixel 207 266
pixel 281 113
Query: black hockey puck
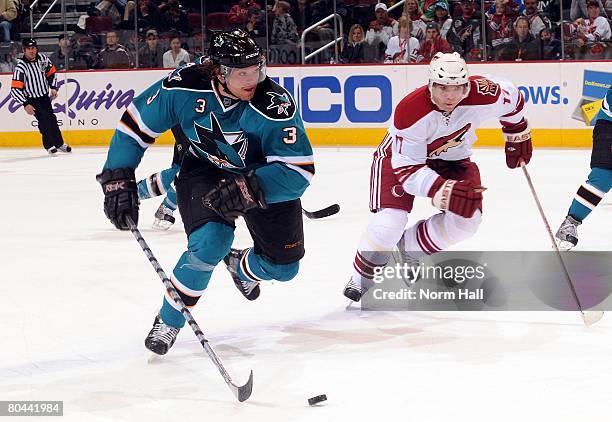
pixel 316 399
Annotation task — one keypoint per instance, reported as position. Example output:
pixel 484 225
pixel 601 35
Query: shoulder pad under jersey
pixel 273 101
pixel 189 77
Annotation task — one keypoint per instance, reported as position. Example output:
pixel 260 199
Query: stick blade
pixel 591 317
pixel 244 392
pixel 322 213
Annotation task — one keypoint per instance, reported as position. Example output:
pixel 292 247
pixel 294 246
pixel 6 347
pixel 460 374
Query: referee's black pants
pixel 47 122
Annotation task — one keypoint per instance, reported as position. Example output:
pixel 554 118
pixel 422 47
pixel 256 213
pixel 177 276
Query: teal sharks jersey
pixel 266 134
pixel 606 112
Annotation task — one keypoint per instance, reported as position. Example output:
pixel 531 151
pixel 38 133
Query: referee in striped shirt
pixel 34 80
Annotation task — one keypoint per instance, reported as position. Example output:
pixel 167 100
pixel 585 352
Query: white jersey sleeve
pixel 509 107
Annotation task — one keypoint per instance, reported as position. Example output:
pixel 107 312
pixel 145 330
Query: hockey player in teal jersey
pixel 248 156
pixel 599 182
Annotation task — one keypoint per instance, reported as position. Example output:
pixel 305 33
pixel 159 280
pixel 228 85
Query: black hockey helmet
pixel 234 49
pixel 29 42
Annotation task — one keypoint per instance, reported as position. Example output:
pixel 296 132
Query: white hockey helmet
pixel 448 69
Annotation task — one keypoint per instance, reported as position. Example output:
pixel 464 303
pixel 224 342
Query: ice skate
pixel 161 337
pixel 163 218
pixel 567 235
pixel 52 151
pixel 354 290
pixel 65 148
pixel 249 289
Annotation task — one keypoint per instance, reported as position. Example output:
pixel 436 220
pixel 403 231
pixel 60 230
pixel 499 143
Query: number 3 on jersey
pixel 291 137
pixel 202 105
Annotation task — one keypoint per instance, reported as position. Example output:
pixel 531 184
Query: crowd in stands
pixel 115 34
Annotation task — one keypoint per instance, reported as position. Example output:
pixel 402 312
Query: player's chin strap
pixel 225 88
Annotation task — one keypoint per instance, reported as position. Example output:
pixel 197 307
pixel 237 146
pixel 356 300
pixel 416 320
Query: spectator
pixel 501 24
pixel 596 28
pixel 322 9
pixel 402 48
pixel 114 55
pixel 413 12
pixel 8 13
pixel 523 45
pixel 150 54
pixel 434 43
pixel 549 46
pixel 428 7
pixel 284 30
pixel 239 12
pixel 175 20
pixel 176 56
pixel 550 9
pixel 302 15
pixel 464 34
pixel 254 26
pixel 58 58
pixel 325 33
pixel 148 16
pixel 112 8
pixel 9 58
pixel 165 5
pixel 352 51
pixel 442 18
pixel 65 53
pixel 579 10
pixel 537 21
pixel 607 9
pixel 85 53
pixel 382 28
pixel 517 7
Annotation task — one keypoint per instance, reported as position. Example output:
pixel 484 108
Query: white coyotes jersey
pixel 421 132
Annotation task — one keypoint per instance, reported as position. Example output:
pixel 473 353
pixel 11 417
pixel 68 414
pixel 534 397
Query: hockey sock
pixel 439 232
pixel 170 199
pixel 206 247
pixel 384 231
pixel 590 193
pixel 253 267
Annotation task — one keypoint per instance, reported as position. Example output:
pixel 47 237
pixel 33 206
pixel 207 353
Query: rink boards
pixel 340 105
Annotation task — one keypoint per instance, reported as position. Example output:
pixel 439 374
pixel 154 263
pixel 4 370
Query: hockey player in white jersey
pixel 426 153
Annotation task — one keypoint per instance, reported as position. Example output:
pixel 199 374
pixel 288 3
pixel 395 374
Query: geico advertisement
pixel 331 96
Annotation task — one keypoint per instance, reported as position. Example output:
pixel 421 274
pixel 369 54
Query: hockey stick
pixel 322 213
pixel 243 392
pixel 589 317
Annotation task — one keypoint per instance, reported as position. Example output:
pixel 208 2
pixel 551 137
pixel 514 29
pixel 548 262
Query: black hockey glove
pixel 235 195
pixel 120 196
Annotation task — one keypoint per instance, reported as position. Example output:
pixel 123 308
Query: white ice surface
pixel 78 297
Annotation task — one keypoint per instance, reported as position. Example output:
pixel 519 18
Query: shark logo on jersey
pixel 223 149
pixel 443 144
pixel 279 101
pixel 176 75
pixel 486 87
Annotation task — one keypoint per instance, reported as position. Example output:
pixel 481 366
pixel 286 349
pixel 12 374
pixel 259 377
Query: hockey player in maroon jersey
pixel 426 152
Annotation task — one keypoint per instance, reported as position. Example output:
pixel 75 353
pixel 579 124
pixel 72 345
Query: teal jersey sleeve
pixel 148 116
pixel 285 146
pixel 606 112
